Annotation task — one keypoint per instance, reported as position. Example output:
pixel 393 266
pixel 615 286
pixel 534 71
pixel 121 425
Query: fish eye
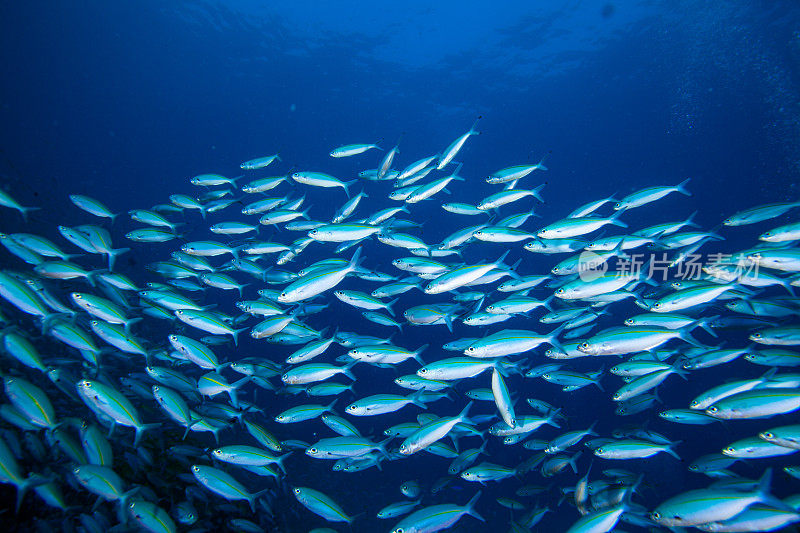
pixel 599 450
pixel 351 407
pixel 584 345
pixel 730 449
pixel 712 409
pixel 658 304
pixel 656 516
pixel 297 491
pixel 312 450
pixel 768 435
pixel 560 291
pixel 423 371
pixel 195 468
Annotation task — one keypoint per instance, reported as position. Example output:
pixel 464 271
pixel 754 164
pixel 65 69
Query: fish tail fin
pixel 382 448
pixel 389 306
pixel 690 221
pixel 766 497
pixel 614 219
pixel 551 418
pixel 553 337
pixel 235 335
pixel 540 164
pixel 787 285
pixel 574 462
pixel 500 260
pixel 764 483
pixel 91 277
pixel 122 510
pixel 448 321
pixel 681 188
pixel 25 210
pixel 347 368
pixel 463 414
pixel 215 432
pixel 355 261
pixel 236 385
pixel 677 368
pixel 242 287
pixel 280 461
pixel 112 256
pixel 329 407
pixel 536 190
pixel 471 507
pixel 705 323
pixel 130 322
pixel 416 399
pixel 346 186
pixel 686 336
pixel 140 431
pixel 418 353
pixel 670 449
pixel 254 498
pixel 472 130
pixel 22 489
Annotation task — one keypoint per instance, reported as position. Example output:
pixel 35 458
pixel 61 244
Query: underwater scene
pixel 320 266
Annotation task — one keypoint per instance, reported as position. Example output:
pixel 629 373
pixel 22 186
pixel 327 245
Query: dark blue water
pixel 126 102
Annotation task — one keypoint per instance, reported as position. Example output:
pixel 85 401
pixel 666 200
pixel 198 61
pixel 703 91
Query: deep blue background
pixel 126 102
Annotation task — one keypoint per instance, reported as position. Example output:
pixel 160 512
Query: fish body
pixel 650 194
pixel 224 485
pixel 451 151
pixel 432 432
pixel 320 504
pixel 259 162
pixel 437 517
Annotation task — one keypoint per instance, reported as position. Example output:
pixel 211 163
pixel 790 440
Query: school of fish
pixel 134 399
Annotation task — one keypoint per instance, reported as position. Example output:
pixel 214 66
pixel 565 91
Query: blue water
pixel 126 101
